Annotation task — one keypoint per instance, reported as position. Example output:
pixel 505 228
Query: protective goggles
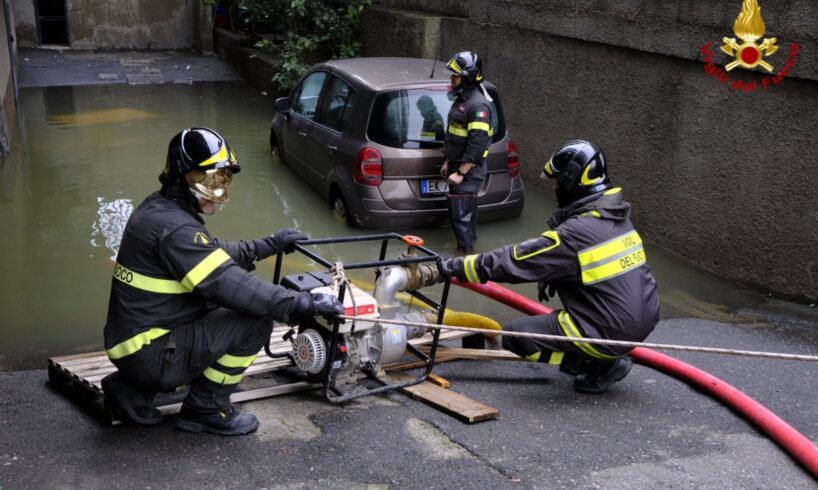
pixel 210 184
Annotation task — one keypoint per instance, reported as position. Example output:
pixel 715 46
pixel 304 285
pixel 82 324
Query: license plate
pixel 434 186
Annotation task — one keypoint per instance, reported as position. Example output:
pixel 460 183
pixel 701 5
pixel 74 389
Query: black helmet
pixel 468 65
pixel 580 169
pixel 205 153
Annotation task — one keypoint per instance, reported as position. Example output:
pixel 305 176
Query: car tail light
pixel 369 167
pixel 512 160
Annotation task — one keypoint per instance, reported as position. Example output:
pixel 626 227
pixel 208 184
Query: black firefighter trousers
pixel 571 358
pixel 210 354
pixel 463 215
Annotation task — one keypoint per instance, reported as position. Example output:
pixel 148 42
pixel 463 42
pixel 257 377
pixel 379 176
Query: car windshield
pixel 416 118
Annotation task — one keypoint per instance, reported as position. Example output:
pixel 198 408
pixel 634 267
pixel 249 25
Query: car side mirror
pixel 283 106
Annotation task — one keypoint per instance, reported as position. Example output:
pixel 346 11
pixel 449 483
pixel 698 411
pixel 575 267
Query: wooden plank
pixel 98 358
pixel 96 371
pixel 72 357
pixel 403 366
pixel 442 382
pixel 448 401
pixel 476 354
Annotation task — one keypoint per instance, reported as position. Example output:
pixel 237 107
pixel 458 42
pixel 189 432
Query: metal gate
pixel 52 22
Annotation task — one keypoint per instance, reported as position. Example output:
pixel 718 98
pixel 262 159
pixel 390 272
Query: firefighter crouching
pixel 593 258
pixel 184 309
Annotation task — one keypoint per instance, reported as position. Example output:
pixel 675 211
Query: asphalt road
pixel 649 431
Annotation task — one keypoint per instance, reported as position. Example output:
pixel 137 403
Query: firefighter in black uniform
pixel 432 128
pixel 468 136
pixel 183 307
pixel 593 257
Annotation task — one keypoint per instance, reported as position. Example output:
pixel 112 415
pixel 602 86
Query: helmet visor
pixel 210 184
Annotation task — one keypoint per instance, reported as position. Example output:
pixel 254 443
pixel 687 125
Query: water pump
pixel 344 356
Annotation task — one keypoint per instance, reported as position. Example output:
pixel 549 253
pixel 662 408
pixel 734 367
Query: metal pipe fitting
pixel 390 281
pixel 408 278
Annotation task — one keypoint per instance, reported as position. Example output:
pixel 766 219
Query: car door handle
pixel 332 149
pixel 302 133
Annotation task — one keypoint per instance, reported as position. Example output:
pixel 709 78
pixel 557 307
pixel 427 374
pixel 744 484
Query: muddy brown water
pixel 84 157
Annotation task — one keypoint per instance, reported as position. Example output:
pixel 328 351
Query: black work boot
pixel 223 423
pixel 599 380
pixel 575 364
pixel 128 402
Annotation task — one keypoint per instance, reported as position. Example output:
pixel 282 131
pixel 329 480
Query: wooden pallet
pixel 81 374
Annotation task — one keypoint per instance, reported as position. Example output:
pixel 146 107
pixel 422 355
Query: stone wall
pixel 724 177
pixel 122 24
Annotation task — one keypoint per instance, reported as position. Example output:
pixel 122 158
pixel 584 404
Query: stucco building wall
pixel 120 24
pixel 726 178
pixel 8 100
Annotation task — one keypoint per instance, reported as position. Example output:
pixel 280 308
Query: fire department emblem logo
pixel 200 238
pixel 749 27
pixel 750 53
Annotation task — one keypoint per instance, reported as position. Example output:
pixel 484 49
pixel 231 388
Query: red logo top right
pixel 752 51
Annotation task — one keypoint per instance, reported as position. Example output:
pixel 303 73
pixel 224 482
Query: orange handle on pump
pixel 412 240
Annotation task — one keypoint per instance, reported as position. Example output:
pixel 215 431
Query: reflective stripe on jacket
pixel 595 259
pixel 169 271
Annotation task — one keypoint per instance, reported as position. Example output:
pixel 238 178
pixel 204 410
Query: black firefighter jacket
pixel 595 259
pixel 468 137
pixel 170 271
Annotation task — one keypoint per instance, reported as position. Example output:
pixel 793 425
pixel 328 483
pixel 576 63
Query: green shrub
pixel 312 31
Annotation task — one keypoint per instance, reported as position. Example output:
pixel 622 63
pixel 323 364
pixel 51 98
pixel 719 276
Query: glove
pixel 327 306
pixel 282 241
pixel 445 268
pixel 545 291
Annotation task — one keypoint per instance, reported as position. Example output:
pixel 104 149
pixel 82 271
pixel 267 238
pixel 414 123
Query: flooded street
pixel 86 156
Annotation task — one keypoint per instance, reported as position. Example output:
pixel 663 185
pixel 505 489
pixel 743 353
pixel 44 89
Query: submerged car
pixel 367 133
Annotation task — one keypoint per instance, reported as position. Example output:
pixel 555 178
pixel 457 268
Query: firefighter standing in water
pixel 184 308
pixel 468 136
pixel 593 258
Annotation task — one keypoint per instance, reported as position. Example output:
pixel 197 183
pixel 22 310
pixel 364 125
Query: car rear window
pixel 416 118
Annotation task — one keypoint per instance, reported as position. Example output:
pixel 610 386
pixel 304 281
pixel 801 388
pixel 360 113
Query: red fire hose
pixel 795 443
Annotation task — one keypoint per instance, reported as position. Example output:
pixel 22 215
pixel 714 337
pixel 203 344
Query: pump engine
pixel 363 346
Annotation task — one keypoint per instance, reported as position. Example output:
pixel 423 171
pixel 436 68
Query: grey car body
pixel 357 132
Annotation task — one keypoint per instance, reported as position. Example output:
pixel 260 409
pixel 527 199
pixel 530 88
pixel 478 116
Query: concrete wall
pixel 122 24
pixel 726 178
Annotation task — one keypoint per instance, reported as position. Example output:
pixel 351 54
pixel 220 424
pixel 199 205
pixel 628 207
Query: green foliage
pixel 312 31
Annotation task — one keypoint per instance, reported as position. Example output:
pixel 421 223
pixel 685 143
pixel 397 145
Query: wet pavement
pixel 52 68
pixel 650 431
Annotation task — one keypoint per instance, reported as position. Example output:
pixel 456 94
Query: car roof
pixel 385 73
